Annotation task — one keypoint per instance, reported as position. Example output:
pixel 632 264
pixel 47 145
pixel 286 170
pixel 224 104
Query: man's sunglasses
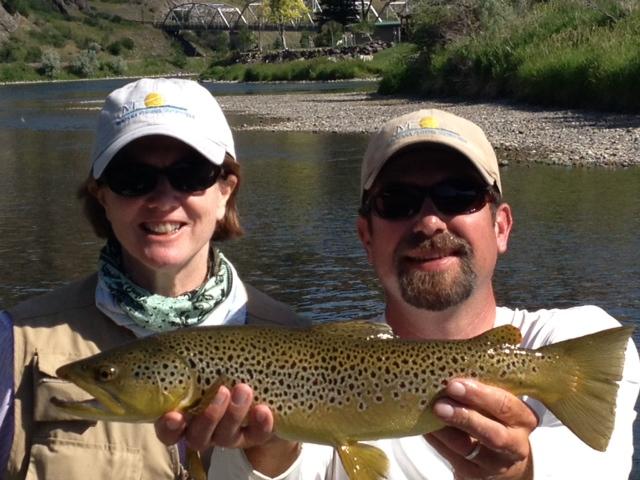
pixel 134 179
pixel 399 201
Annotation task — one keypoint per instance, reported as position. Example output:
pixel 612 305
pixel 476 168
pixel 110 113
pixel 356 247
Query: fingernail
pixel 220 397
pixel 456 389
pixel 443 410
pixel 239 397
pixel 260 416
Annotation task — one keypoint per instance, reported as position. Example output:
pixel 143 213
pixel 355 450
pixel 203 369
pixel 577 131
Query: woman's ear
pixel 226 187
pixel 96 190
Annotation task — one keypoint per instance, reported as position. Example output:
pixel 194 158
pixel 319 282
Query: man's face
pixel 433 260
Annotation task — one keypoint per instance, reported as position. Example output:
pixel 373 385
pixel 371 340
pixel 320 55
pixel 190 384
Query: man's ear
pixel 363 225
pixel 502 226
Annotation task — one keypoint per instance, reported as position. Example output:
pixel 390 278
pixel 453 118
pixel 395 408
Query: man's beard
pixel 437 291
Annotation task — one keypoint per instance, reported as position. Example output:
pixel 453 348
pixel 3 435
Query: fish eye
pixel 106 373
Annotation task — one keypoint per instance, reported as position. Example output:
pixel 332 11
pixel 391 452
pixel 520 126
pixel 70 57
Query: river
pixel 575 239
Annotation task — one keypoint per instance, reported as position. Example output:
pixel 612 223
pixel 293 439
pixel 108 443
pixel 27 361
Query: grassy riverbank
pixel 322 68
pixel 566 53
pixel 561 53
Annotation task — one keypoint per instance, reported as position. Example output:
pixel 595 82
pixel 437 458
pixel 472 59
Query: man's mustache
pixel 445 241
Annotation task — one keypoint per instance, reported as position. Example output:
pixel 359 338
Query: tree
pixel 243 39
pixel 282 12
pixel 344 12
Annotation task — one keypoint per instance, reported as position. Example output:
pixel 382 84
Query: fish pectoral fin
pixel 363 462
pixel 194 465
pixel 209 395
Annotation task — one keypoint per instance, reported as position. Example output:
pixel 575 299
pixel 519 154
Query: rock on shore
pixel 563 137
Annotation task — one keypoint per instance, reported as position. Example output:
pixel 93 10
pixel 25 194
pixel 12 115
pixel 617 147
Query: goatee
pixel 437 291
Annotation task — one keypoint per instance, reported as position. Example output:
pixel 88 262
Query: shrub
pixel 243 40
pixel 127 43
pixel 178 59
pixel 11 51
pixel 50 64
pixel 116 66
pixel 33 54
pixel 86 64
pixel 115 48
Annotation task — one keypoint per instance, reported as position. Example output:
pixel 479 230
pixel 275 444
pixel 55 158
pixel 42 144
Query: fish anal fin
pixel 363 462
pixel 209 395
pixel 364 329
pixel 194 465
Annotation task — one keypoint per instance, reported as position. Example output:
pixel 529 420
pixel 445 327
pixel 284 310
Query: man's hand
pixel 487 434
pixel 229 421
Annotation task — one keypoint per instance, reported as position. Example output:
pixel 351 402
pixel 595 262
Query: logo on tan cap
pixel 429 122
pixel 429 127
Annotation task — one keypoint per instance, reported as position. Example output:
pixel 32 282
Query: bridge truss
pixel 219 16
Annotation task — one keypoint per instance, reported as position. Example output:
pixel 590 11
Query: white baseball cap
pixel 430 127
pixel 182 109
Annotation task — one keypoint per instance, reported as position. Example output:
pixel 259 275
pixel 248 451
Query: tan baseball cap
pixel 178 108
pixel 429 127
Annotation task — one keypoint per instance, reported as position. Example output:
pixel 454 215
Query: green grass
pixel 314 69
pixel 564 53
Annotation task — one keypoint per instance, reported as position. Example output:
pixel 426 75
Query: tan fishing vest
pixel 63 326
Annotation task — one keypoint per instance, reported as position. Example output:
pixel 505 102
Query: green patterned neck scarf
pixel 157 313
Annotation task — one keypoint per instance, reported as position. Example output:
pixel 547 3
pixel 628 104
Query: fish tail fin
pixel 363 462
pixel 585 387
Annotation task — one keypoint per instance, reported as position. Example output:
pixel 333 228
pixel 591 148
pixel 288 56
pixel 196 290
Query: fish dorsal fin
pixel 504 335
pixel 364 329
pixel 363 462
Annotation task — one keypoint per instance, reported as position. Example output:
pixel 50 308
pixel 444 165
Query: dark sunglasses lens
pixel 398 201
pixel 131 180
pixel 458 197
pixel 193 176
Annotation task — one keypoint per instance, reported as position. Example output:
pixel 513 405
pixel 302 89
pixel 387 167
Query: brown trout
pixel 342 383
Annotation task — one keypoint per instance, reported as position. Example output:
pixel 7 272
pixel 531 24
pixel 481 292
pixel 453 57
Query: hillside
pixel 80 38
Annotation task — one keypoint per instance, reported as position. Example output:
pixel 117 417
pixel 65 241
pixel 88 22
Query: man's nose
pixel 429 221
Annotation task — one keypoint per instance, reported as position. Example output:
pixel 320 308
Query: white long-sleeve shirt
pixel 557 452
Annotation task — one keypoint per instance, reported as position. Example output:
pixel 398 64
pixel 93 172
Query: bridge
pixel 201 16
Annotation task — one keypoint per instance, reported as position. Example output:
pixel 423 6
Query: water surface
pixel 575 239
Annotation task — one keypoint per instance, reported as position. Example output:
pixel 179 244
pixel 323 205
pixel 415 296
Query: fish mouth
pixel 104 406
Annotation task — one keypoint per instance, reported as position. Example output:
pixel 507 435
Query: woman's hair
pixel 227 228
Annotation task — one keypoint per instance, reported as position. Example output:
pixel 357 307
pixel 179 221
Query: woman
pixel 162 189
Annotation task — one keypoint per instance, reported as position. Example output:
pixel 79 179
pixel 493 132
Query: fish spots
pixel 304 372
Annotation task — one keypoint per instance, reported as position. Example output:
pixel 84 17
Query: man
pixel 433 225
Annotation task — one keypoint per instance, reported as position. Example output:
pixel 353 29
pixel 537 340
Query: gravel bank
pixel 564 137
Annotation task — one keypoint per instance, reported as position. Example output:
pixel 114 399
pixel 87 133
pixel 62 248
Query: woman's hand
pixel 487 433
pixel 232 421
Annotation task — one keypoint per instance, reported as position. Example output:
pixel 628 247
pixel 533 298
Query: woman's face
pixel 165 231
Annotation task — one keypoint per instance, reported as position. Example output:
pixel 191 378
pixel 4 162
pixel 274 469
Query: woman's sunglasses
pixel 134 179
pixel 399 201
